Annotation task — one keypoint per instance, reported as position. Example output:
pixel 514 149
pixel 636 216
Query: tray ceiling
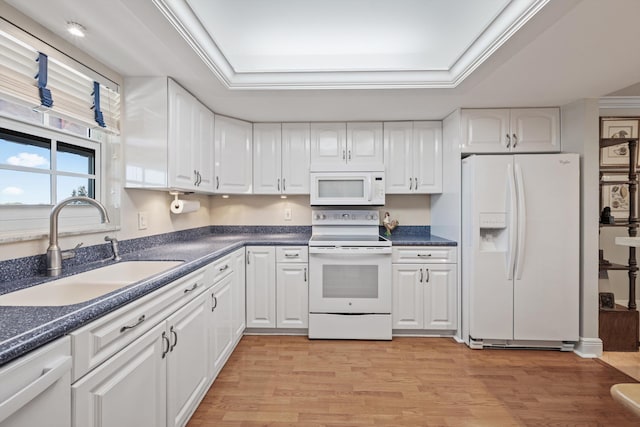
pixel 317 44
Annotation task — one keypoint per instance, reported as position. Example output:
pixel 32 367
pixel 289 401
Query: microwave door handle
pixel 370 187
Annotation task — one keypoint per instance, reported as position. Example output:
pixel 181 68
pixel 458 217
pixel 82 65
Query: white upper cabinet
pixel 168 138
pixel 233 166
pixel 267 152
pixel 328 146
pixel 296 156
pixel 364 147
pixel 518 130
pixel 281 155
pixel 346 147
pixel 413 157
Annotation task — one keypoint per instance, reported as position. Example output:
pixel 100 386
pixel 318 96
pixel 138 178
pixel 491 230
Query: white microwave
pixel 347 188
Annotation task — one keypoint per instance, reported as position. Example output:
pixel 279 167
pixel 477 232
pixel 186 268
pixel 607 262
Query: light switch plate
pixel 287 214
pixel 142 221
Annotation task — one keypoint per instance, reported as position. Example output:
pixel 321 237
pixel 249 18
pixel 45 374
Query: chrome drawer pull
pixel 224 267
pixel 291 255
pixel 215 302
pixel 424 255
pixel 192 288
pixel 127 327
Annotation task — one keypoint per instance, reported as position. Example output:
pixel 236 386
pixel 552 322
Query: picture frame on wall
pixel 616 195
pixel 617 155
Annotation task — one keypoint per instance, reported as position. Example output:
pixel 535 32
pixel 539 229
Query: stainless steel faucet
pixel 54 254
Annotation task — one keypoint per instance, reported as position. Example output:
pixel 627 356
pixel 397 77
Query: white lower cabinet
pixel 187 367
pixel 238 259
pixel 292 294
pixel 157 380
pixel 220 324
pixel 129 389
pixel 424 293
pixel 35 389
pixel 277 287
pixel 261 287
pixel 154 370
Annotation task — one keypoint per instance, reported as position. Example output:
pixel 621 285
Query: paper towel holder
pixel 175 195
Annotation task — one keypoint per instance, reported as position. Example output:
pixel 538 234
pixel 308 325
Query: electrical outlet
pixel 287 214
pixel 142 221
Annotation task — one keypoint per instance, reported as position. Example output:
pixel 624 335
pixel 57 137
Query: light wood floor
pixel 292 381
pixel 627 362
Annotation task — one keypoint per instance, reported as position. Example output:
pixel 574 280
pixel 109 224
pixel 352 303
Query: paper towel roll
pixel 184 206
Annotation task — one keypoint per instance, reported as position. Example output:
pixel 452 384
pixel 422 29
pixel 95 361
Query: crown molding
pixel 619 102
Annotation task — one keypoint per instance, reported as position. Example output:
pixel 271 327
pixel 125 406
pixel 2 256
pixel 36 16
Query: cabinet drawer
pixel 221 268
pixel 292 254
pixel 96 342
pixel 432 254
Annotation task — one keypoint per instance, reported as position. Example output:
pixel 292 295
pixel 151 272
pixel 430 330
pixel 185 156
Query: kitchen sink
pixel 88 285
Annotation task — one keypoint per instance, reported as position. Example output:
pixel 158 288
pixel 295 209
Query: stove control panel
pixel 345 217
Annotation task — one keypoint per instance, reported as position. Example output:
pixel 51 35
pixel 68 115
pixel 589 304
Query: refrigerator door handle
pixel 522 221
pixel 511 184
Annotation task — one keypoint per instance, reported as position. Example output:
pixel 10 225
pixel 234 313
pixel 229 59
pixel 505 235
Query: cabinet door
pixel 328 147
pixel 440 296
pixel 398 157
pixel 187 370
pixel 485 131
pixel 233 158
pixel 261 287
pixel 239 294
pixel 182 122
pixel 220 324
pixel 292 295
pixel 408 296
pixel 535 130
pixel 364 146
pixel 427 157
pixel 129 389
pixel 203 160
pixel 36 388
pixel 296 156
pixel 267 142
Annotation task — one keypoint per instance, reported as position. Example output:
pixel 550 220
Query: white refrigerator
pixel 520 250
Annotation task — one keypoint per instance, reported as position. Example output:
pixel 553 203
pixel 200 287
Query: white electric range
pixel 349 276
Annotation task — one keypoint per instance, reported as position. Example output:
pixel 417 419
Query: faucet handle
pixel 110 239
pixel 71 252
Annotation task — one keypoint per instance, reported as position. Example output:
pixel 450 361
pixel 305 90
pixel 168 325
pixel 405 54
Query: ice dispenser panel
pixel 493 231
pixel 493 220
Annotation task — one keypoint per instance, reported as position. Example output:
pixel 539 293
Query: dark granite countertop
pixel 23 329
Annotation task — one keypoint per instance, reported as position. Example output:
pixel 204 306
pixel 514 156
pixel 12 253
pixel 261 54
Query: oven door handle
pixel 349 250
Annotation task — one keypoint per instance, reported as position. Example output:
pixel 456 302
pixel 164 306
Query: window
pixel 39 167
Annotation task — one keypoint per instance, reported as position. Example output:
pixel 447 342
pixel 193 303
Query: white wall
pixel 580 135
pixel 269 210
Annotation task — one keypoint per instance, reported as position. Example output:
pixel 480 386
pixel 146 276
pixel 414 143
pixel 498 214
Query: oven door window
pixel 340 188
pixel 349 281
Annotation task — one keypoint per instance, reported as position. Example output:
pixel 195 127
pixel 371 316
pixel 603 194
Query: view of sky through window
pixel 26 171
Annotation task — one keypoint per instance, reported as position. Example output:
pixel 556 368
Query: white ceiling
pixel 570 49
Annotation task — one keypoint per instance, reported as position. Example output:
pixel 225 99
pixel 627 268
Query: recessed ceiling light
pixel 76 29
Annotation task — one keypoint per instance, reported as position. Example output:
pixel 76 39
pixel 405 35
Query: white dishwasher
pixel 36 388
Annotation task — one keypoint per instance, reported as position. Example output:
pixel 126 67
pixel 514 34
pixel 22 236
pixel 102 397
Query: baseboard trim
pixel 588 348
